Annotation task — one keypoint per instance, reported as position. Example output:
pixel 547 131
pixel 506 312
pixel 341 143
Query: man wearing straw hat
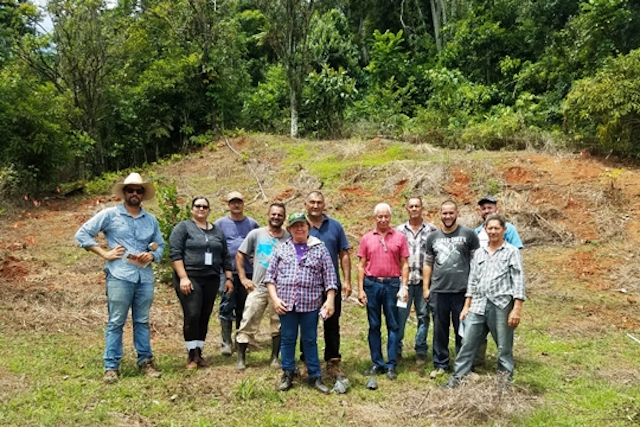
pixel 134 241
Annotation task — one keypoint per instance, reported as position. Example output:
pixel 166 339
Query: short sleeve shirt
pixel 260 245
pixel 235 232
pixel 450 257
pixel 334 238
pixel 383 255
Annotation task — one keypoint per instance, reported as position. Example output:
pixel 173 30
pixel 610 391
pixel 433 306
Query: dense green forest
pixel 116 85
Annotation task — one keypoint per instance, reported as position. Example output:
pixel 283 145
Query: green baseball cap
pixel 296 217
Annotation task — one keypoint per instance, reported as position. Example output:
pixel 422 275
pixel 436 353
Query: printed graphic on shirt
pixel 264 250
pixel 448 256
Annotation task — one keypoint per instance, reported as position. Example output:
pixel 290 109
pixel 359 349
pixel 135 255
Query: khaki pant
pixel 257 302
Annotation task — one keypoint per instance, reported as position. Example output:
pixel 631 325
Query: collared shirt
pixel 498 278
pixel 134 233
pixel 383 256
pixel 417 242
pixel 510 236
pixel 334 238
pixel 301 283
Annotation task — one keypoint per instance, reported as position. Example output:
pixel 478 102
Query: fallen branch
pixel 264 196
pixel 633 338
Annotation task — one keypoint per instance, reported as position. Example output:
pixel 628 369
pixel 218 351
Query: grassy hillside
pixel 575 363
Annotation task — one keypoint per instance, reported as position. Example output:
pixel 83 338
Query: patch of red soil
pixel 356 190
pixel 285 194
pixel 11 269
pixel 517 175
pixel 459 188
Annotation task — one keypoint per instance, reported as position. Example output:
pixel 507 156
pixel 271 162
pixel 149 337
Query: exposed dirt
pixel 577 215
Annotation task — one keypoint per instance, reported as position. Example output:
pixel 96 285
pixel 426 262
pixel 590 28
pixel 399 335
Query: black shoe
pixel 317 384
pixel 392 374
pixel 287 381
pixel 375 370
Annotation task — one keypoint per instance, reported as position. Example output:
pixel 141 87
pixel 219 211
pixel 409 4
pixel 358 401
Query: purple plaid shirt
pixel 301 284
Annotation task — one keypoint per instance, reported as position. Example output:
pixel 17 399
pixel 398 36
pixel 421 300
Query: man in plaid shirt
pixel 416 230
pixel 493 303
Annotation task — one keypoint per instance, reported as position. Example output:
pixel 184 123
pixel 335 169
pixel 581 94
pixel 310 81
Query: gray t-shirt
pixel 450 256
pixel 260 245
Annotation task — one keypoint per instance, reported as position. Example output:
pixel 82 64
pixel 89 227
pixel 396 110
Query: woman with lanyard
pixel 198 251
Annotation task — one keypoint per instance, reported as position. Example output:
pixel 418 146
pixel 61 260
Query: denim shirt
pixel 134 233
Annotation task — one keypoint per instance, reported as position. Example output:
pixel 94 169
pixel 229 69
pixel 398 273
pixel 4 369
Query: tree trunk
pixel 435 15
pixel 293 101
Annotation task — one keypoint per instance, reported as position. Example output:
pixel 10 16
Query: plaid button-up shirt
pixel 300 284
pixel 417 242
pixel 498 278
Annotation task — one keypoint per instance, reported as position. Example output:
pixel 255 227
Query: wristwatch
pixel 228 278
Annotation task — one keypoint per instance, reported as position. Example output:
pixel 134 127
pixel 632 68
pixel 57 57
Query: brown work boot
pixel 111 376
pixel 192 365
pixel 200 360
pixel 333 368
pixel 149 369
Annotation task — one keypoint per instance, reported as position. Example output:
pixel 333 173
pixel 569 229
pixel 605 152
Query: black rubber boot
pixel 275 352
pixel 287 380
pixel 226 326
pixel 242 351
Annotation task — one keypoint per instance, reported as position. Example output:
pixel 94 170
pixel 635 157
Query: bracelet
pixel 228 278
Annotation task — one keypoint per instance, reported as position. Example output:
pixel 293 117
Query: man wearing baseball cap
pixel 134 240
pixel 489 205
pixel 236 226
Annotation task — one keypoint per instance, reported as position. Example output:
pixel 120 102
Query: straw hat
pixel 135 179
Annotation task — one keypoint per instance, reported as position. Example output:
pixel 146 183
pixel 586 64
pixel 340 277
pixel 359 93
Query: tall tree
pixel 286 30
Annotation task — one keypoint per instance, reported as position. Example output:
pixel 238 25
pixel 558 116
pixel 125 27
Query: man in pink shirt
pixel 383 275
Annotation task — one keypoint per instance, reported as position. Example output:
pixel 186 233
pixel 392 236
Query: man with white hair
pixel 383 268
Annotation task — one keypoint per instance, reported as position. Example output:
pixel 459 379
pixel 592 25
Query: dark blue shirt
pixel 334 238
pixel 235 233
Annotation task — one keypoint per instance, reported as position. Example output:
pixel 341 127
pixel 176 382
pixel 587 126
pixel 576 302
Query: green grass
pixel 573 368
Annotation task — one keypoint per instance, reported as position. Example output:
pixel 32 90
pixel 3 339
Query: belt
pixel 383 279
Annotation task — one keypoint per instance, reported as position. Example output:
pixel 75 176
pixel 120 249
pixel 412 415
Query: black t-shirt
pixel 450 256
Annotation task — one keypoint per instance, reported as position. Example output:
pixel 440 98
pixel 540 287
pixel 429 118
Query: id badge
pixel 208 258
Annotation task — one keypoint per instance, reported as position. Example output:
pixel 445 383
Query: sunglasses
pixel 134 190
pixel 200 207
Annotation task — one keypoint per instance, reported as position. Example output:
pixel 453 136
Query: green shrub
pixel 604 110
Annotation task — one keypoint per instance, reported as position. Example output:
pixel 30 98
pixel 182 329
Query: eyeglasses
pixel 134 190
pixel 200 207
pixel 384 245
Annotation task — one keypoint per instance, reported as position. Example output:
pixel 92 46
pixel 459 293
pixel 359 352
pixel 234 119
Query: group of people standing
pixel 452 274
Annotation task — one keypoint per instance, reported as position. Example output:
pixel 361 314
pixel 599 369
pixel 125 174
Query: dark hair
pixel 278 205
pixel 316 192
pixel 193 202
pixel 496 217
pixel 414 197
pixel 449 202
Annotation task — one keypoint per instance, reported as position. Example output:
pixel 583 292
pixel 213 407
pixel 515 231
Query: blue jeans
pixel 422 313
pixel 122 295
pixel 308 324
pixel 232 305
pixel 496 321
pixel 382 297
pixel 445 309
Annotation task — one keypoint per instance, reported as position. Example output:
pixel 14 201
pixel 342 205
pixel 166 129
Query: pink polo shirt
pixel 381 262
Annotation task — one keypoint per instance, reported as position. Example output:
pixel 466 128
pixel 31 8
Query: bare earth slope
pixel 578 217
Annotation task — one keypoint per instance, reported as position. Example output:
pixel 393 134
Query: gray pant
pixel 422 313
pixel 496 321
